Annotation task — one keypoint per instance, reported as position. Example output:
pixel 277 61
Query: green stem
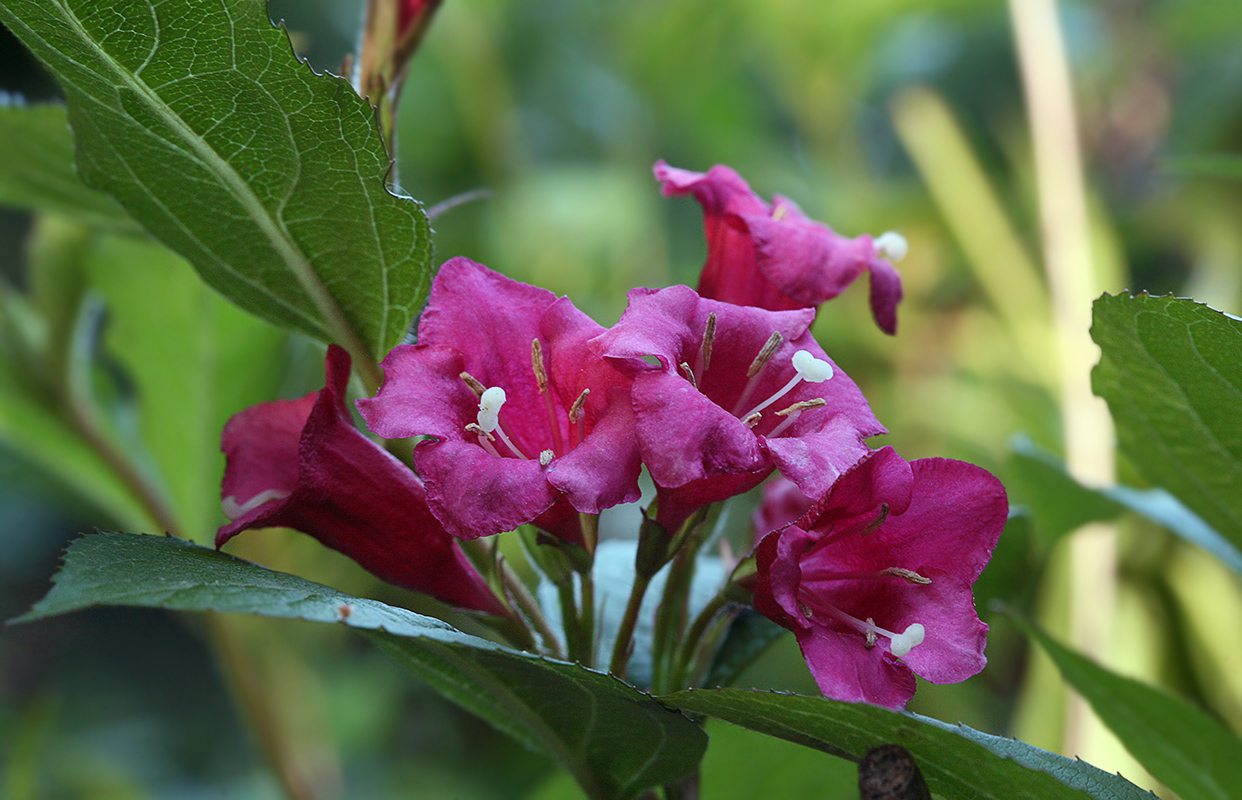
pixel 571 621
pixel 625 632
pixel 694 646
pixel 587 618
pixel 530 610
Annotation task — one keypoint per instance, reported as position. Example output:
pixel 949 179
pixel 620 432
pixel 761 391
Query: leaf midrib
pixel 296 260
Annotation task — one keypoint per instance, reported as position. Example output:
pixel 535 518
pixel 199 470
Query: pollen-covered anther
pixel 475 386
pixel 545 457
pixel 874 524
pixel 892 245
pixel 687 373
pixel 806 611
pixel 802 405
pixel 752 420
pixel 575 411
pixel 536 365
pixel 908 575
pixel 871 635
pixel 705 350
pixel 474 428
pixel 765 354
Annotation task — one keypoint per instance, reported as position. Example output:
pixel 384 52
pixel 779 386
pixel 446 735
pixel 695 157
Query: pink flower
pixel 737 392
pixel 783 502
pixel 529 423
pixel 302 464
pixel 875 581
pixel 409 11
pixel 772 256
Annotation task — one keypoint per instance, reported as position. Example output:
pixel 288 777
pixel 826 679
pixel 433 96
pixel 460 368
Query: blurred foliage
pixel 891 114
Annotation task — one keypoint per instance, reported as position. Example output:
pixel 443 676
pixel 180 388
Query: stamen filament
pixel 541 380
pixel 785 423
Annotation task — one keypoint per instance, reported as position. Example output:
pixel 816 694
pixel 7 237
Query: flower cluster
pixel 527 414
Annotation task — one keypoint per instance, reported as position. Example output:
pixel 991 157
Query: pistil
pixel 808 368
pixel 233 509
pixel 891 245
pixel 900 643
pixel 489 417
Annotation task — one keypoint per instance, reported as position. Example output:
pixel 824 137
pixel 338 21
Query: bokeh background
pixel 884 115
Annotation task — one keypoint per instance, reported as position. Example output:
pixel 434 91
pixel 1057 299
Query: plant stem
pixel 693 645
pixel 625 631
pixel 530 610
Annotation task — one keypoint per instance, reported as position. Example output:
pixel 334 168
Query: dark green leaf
pixel 1216 165
pixel 1037 479
pixel 615 740
pixel 1191 752
pixel 957 761
pixel 1171 372
pixel 37 171
pixel 268 178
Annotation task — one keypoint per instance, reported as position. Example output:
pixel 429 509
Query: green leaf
pixel 615 740
pixel 1189 751
pixel 37 171
pixel 1060 504
pixel 1171 372
pixel 957 761
pixel 267 177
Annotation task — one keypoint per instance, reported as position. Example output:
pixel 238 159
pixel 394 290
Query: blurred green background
pixel 885 115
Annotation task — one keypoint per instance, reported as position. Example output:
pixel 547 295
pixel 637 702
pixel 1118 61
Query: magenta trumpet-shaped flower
pixel 875 580
pixel 529 424
pixel 737 391
pixel 772 256
pixel 302 464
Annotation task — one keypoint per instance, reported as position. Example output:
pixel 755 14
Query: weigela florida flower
pixel 738 391
pixel 773 256
pixel 875 580
pixel 529 424
pixel 302 464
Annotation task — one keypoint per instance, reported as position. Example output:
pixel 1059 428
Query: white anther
pixel 489 408
pixel 545 457
pixel 810 368
pixel 908 639
pixel 892 245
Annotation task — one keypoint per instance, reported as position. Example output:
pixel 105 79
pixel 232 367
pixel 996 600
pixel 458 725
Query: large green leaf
pixel 198 118
pixel 1191 752
pixel 615 740
pixel 1060 503
pixel 1171 372
pixel 957 762
pixel 37 171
